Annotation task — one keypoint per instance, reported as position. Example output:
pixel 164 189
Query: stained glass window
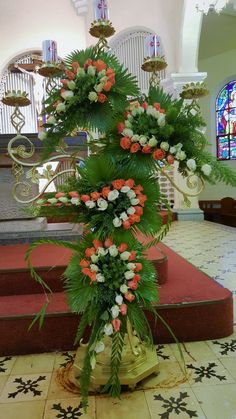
pixel 226 122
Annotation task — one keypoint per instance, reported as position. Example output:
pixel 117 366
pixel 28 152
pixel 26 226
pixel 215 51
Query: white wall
pixel 220 68
pixel 25 23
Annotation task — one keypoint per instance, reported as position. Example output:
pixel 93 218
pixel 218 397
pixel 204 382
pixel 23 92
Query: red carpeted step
pixel 194 305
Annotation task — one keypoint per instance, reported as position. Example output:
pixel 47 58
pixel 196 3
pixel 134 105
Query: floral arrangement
pixel 116 195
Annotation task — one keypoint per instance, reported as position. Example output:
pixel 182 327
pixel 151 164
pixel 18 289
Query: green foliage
pixel 113 384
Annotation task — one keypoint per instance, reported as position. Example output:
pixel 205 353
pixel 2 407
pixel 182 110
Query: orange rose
pixel 126 224
pixel 142 198
pixel 138 267
pixel 90 251
pixel 123 309
pixel 162 111
pixel 123 247
pixel 132 255
pixel 133 285
pixel 73 194
pixel 87 271
pixel 111 79
pixel 118 183
pixel 84 263
pixel 102 98
pixel 70 74
pixel 120 127
pixel 138 189
pixel 147 149
pixel 85 198
pixel 59 194
pixel 95 195
pixel 125 143
pixel 136 277
pixel 157 106
pixel 97 243
pixel 129 182
pixel 75 66
pixel 135 148
pixel 92 276
pixel 170 159
pixel 105 191
pixel 138 210
pixel 116 324
pixel 107 86
pixel 158 154
pixel 64 81
pixel 100 65
pixel 145 105
pixel 108 242
pixel 129 296
pixel 134 218
pixel 110 72
pixel 87 63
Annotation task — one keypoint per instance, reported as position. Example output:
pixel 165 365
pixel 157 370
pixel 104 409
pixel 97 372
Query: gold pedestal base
pixel 137 363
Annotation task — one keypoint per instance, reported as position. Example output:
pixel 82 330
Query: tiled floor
pixel 29 389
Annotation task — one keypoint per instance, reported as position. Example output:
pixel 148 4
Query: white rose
pixel 142 140
pixel 71 84
pixel 90 204
pixel 131 194
pixel 115 310
pixel 173 150
pixel 128 124
pixel 130 118
pixel 134 112
pixel 206 169
pixel 125 189
pixel 80 72
pixel 149 110
pixel 99 87
pixel 131 265
pixel 180 155
pixel 91 70
pixel 51 120
pixel 100 278
pixel 164 146
pixel 61 107
pixel 125 255
pixel 42 135
pixel 93 97
pixel 102 252
pixel 63 199
pixel 152 142
pixel 128 132
pixel 135 138
pixel 113 195
pixel 161 120
pixel 94 258
pixel 124 216
pixel 113 250
pixel 131 210
pixel 134 201
pixel 155 113
pixel 119 299
pixel 140 110
pixel 102 73
pixel 179 146
pixel 52 201
pixel 94 267
pixel 129 274
pixel 41 201
pixel 123 288
pixel 108 329
pixel 191 164
pixel 117 222
pixel 67 95
pixel 99 347
pixel 102 204
pixel 75 201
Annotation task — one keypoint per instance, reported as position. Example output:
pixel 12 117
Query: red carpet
pixel 194 305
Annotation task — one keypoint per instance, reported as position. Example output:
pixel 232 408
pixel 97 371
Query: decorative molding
pixel 81 7
pixel 180 79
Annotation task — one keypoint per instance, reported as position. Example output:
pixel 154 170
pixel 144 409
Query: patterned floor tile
pixel 230 365
pixel 218 402
pixel 173 404
pixel 193 351
pixel 3 380
pixel 206 373
pixel 164 353
pixel 129 406
pixel 27 410
pixel 170 375
pixel 69 409
pixel 26 388
pixel 33 364
pixel 225 347
pixel 6 364
pixel 63 358
pixel 56 391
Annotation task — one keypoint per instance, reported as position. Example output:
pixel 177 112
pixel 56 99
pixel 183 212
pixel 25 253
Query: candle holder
pixel 194 91
pixel 51 71
pixel 154 65
pixel 102 29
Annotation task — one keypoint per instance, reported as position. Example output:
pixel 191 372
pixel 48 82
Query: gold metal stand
pixel 102 29
pixel 193 91
pixel 154 65
pixel 51 72
pixel 137 362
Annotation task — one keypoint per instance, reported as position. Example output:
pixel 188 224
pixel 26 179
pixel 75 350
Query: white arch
pixel 189 37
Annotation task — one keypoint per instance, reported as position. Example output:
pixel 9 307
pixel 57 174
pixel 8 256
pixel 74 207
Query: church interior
pixel 190 370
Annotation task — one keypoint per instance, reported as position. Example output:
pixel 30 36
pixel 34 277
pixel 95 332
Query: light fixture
pixel 206 6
